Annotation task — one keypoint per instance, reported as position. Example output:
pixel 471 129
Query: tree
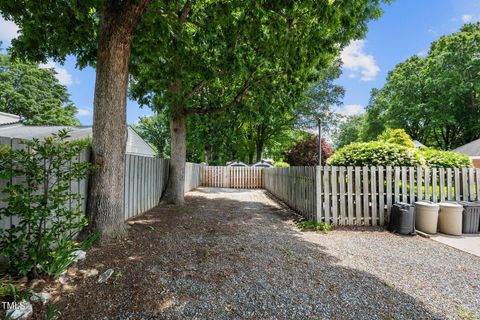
pixel 305 152
pixel 206 57
pixel 396 136
pixel 34 94
pixel 98 33
pixel 349 130
pixel 435 98
pixel 155 130
pixel 320 98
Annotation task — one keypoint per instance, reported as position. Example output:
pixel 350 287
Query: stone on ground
pixel 105 276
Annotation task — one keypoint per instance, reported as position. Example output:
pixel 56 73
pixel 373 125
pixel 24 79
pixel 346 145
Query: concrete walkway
pixel 467 242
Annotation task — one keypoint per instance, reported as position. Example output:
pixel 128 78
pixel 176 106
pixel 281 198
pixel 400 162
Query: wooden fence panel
pixel 145 181
pixel 192 176
pixel 230 177
pixel 296 187
pixel 363 195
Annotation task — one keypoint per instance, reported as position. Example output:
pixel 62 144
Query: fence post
pixel 318 192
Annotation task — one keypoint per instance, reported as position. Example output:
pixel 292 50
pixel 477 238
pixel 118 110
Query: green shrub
pixel 376 153
pixel 445 159
pixel 396 136
pixel 281 164
pixel 43 240
pixel 309 225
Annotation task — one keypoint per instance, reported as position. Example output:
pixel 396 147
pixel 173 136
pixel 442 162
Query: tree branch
pixel 247 85
pixel 199 86
pixel 183 14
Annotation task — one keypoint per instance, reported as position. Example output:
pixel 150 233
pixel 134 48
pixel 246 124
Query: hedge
pixel 379 153
pixel 445 159
pixel 376 153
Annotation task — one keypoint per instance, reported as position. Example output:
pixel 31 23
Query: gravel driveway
pixel 237 254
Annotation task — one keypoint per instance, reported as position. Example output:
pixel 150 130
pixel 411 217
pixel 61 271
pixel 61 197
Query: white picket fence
pixel 232 177
pixel 365 195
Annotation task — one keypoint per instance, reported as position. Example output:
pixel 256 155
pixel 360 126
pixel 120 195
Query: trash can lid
pixel 469 204
pixel 426 204
pixel 450 205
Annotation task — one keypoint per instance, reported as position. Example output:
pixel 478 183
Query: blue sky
pixel 406 28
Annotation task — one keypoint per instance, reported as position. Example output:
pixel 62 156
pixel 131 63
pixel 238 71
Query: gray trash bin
pixel 471 217
pixel 450 218
pixel 402 218
pixel 426 216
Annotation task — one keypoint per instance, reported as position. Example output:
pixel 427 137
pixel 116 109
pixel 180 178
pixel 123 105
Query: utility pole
pixel 319 141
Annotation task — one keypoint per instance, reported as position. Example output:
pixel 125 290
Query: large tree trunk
pixel 105 199
pixel 259 147
pixel 174 194
pixel 259 143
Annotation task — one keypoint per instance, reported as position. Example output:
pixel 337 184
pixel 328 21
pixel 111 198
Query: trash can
pixel 471 217
pixel 402 218
pixel 426 216
pixel 450 218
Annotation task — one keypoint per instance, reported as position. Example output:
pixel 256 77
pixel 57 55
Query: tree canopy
pixel 435 98
pixel 349 130
pixel 305 152
pixel 202 57
pixel 34 94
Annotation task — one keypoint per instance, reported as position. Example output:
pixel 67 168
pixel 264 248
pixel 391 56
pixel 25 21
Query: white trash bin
pixel 426 216
pixel 450 218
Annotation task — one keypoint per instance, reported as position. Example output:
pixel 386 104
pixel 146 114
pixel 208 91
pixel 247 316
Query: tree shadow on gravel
pixel 223 258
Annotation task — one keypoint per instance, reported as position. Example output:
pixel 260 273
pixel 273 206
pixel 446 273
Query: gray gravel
pixel 237 254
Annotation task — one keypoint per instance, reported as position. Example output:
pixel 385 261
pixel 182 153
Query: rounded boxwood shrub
pixel 444 159
pixel 376 153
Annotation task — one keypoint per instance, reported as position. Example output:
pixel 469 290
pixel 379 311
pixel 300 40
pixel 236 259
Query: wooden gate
pixel 232 177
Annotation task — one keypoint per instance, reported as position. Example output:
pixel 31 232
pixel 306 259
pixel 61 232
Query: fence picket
pixel 441 173
pixel 457 185
pixel 419 184
pixel 389 191
pixel 358 196
pixel 427 184
pixel 366 202
pixel 381 196
pixel 373 197
pixel 350 183
pixel 434 185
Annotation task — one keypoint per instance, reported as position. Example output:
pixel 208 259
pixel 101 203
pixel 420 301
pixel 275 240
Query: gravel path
pixel 237 254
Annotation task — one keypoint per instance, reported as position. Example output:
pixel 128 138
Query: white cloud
pixel 467 18
pixel 8 31
pixel 63 76
pixel 356 60
pixel 351 110
pixel 84 112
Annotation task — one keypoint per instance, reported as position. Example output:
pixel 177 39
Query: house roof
pixel 135 144
pixel 471 149
pixel 8 118
pixel 263 164
pixel 237 163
